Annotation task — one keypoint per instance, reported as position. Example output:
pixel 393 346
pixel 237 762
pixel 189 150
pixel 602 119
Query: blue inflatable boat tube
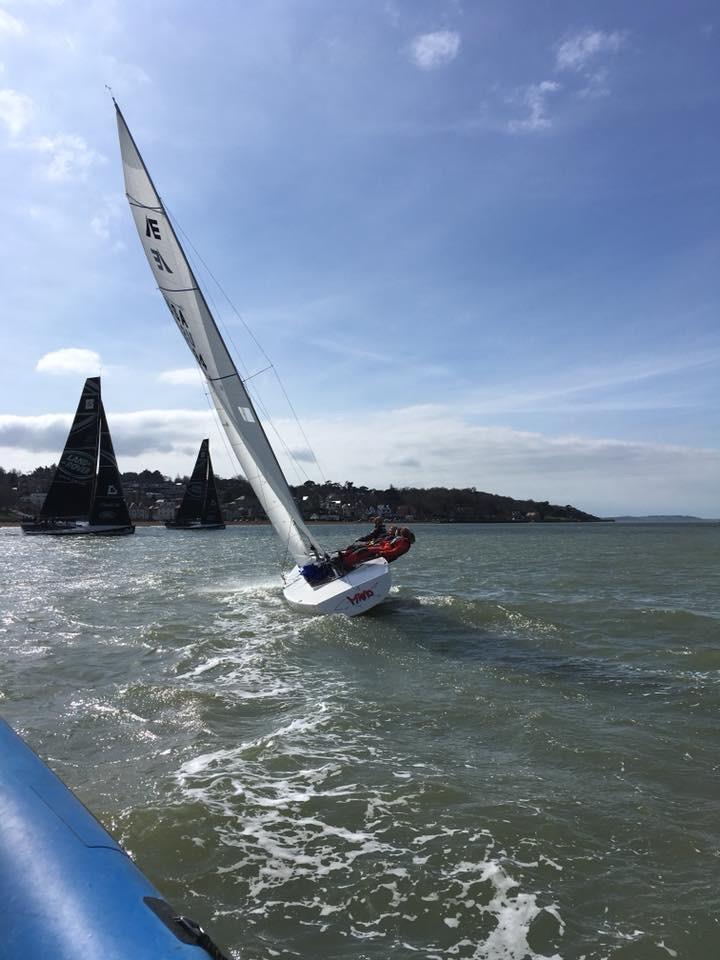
pixel 68 891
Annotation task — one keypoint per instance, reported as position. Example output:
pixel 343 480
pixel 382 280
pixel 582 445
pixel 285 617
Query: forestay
pixel 187 304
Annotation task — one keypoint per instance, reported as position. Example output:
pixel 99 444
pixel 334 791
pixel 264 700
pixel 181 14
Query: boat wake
pixel 329 836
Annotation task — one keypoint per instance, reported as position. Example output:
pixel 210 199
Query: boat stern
pixel 352 594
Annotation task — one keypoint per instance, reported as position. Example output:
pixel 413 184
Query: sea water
pixel 516 756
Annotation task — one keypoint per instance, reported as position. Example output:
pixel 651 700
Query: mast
pixel 187 304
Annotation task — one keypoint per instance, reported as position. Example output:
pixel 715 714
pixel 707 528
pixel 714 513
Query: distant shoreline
pixel 622 521
pixel 412 523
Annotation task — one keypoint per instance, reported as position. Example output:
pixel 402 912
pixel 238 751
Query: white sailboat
pixel 315 584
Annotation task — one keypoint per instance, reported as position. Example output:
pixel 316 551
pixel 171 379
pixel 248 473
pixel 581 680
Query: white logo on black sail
pixel 77 465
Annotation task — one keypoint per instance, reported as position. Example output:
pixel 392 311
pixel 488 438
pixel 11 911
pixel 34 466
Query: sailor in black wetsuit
pixel 378 532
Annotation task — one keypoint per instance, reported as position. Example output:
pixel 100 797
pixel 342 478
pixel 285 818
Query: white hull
pixel 355 593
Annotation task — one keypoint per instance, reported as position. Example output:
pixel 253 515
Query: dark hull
pixel 174 525
pixel 59 529
pixel 114 531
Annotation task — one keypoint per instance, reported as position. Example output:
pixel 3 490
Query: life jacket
pixel 388 549
pixel 391 549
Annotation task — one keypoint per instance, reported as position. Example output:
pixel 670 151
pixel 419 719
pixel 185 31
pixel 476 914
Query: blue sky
pixel 479 241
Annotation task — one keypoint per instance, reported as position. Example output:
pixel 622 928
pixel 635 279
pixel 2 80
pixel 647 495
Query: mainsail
pixel 108 505
pixel 200 501
pixel 72 486
pixel 191 313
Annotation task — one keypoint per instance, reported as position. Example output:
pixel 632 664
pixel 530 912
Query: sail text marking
pixel 160 260
pixel 185 330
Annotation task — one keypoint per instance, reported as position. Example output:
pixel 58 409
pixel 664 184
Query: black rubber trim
pixel 185 929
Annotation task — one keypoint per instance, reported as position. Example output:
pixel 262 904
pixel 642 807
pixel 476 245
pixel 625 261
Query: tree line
pixel 333 500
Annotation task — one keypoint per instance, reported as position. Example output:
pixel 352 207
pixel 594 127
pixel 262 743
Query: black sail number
pixel 185 330
pixel 152 230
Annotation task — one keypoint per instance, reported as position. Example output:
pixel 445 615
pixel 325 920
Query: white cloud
pixel 417 446
pixel 583 54
pixel 110 212
pixel 424 446
pixel 431 50
pixel 68 156
pixel 578 50
pixel 145 433
pixel 15 110
pixel 534 98
pixel 181 377
pixel 10 26
pixel 70 360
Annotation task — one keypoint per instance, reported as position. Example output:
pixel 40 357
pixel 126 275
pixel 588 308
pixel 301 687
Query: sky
pixel 477 240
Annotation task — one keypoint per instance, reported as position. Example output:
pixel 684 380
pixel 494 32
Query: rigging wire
pixel 263 352
pixel 258 402
pixel 282 559
pixel 260 406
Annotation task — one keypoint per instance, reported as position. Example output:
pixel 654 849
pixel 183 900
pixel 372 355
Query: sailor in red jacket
pixel 395 545
pixel 397 542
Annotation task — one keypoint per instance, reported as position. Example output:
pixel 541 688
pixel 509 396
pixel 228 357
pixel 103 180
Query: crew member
pixel 394 546
pixel 378 532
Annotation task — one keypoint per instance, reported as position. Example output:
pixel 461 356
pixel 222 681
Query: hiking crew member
pixel 378 532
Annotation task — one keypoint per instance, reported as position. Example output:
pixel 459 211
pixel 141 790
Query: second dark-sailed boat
pixel 85 495
pixel 200 507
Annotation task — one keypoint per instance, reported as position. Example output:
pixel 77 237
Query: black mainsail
pixel 73 484
pixel 85 494
pixel 200 506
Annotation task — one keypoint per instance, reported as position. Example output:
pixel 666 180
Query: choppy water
pixel 515 757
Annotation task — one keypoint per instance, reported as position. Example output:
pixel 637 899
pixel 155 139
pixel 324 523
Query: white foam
pixel 312 803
